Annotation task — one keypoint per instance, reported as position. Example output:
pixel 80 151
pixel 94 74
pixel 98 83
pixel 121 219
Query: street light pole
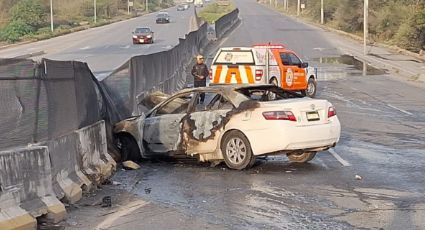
pixel 51 15
pixel 298 7
pixel 365 25
pixel 128 7
pixel 95 11
pixel 322 13
pixel 147 6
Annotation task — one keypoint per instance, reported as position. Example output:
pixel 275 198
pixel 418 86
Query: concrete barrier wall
pixel 92 149
pixel 26 188
pixel 68 179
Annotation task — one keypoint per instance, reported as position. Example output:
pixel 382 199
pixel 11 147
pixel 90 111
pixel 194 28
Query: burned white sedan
pixel 231 123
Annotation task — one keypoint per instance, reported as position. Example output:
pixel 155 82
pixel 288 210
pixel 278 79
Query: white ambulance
pixel 262 64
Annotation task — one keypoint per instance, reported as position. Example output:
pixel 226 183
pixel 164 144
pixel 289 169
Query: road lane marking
pixel 322 163
pixel 401 110
pixel 339 158
pixel 85 48
pixel 105 224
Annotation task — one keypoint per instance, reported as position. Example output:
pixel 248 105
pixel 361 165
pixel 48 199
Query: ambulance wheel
pixel 311 88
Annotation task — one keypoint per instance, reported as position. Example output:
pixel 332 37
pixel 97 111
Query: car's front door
pixel 205 123
pixel 292 73
pixel 162 128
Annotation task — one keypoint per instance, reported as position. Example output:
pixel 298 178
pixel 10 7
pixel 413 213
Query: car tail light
pixel 331 112
pixel 279 115
pixel 258 74
pixel 210 74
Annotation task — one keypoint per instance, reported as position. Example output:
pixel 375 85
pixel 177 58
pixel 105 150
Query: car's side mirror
pixel 304 65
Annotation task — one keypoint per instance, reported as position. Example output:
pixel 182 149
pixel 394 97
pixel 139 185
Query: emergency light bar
pixel 270 46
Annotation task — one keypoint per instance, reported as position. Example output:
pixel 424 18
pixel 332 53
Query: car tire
pixel 301 157
pixel 129 148
pixel 236 150
pixel 311 88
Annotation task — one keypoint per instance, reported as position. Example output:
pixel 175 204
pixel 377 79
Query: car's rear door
pixel 205 123
pixel 162 128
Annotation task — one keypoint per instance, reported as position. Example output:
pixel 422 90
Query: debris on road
pixel 106 202
pixel 148 190
pixel 358 177
pixel 130 165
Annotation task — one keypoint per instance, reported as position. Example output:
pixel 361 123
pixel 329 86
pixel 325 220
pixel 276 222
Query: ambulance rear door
pixel 233 66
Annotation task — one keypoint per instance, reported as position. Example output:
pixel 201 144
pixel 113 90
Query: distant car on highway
pixel 143 35
pixel 231 123
pixel 186 6
pixel 199 3
pixel 162 17
pixel 181 8
pixel 260 64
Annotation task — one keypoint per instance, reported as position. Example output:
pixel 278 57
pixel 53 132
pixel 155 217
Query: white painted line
pixel 401 110
pixel 85 48
pixel 339 158
pixel 105 224
pixel 322 163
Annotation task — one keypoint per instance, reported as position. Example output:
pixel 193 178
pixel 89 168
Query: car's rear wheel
pixel 237 151
pixel 301 157
pixel 129 148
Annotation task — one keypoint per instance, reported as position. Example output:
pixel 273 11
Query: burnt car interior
pixel 267 93
pixel 213 101
pixel 177 105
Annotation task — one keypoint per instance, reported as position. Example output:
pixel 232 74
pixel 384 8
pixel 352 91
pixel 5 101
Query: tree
pixel 30 12
pixel 349 15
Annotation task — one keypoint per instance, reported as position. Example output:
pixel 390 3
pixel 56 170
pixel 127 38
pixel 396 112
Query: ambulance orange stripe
pixel 217 74
pixel 237 73
pixel 249 74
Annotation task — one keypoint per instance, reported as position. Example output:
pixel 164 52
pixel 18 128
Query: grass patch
pixel 213 11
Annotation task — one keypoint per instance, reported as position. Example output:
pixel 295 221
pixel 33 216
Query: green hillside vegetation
pixel 395 22
pixel 213 11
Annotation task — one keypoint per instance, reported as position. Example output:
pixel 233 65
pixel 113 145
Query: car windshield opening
pixel 142 30
pixel 267 93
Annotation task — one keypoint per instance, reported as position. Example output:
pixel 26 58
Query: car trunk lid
pixel 306 110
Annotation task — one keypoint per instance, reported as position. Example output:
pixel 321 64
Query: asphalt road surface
pixel 373 179
pixel 106 48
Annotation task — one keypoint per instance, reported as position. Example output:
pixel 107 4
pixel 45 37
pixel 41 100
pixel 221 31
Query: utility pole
pixel 128 7
pixel 51 15
pixel 298 7
pixel 322 13
pixel 95 11
pixel 147 6
pixel 365 25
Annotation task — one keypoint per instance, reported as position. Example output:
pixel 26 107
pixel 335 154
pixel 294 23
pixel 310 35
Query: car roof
pixel 226 87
